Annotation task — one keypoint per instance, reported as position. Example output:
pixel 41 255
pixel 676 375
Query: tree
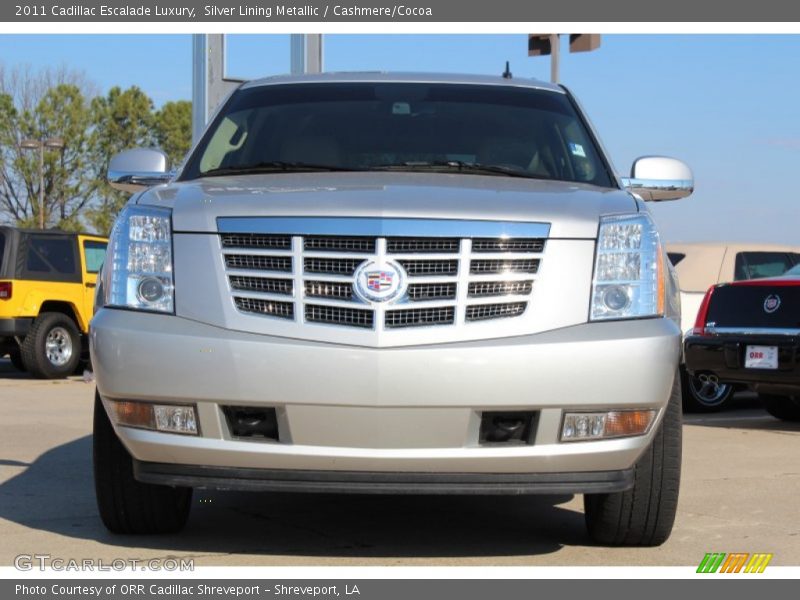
pixel 12 198
pixel 50 103
pixel 64 113
pixel 173 129
pixel 54 103
pixel 121 120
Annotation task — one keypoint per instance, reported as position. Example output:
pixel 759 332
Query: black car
pixel 748 332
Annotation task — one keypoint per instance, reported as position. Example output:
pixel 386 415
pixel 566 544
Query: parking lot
pixel 739 493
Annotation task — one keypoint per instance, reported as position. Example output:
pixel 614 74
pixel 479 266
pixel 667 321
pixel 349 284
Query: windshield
pixel 497 130
pixel 794 271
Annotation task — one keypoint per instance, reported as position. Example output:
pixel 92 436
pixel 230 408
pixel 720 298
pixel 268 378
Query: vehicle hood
pixel 573 210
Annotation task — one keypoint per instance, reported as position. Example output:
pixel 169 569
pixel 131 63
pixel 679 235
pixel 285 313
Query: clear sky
pixel 727 105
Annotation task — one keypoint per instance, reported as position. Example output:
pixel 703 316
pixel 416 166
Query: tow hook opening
pixel 512 428
pixel 252 422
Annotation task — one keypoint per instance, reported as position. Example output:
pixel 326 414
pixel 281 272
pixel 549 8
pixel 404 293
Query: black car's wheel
pixel 52 347
pixel 644 514
pixel 704 393
pixel 127 505
pixel 785 408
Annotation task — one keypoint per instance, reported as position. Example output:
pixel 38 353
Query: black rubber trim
pixel 360 482
pixel 20 326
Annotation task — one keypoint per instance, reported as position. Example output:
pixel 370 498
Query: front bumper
pixel 366 482
pixel 411 410
pixel 724 356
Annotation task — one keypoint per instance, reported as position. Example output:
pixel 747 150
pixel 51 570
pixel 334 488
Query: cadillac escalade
pixel 390 283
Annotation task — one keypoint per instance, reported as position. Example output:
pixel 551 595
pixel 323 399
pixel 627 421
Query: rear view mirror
pixel 658 178
pixel 138 169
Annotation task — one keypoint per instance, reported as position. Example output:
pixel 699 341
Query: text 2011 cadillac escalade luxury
pixel 379 283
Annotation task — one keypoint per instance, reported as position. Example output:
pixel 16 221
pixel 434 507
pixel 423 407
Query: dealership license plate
pixel 761 357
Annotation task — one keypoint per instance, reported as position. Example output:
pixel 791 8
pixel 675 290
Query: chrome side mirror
pixel 658 178
pixel 138 169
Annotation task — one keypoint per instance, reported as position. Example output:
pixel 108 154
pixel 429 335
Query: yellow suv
pixel 47 284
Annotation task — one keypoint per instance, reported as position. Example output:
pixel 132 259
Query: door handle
pixel 89 284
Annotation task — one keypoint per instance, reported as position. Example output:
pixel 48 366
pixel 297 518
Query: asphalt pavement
pixel 739 493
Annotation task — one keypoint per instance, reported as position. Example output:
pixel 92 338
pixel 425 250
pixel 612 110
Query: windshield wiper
pixel 444 165
pixel 459 166
pixel 275 166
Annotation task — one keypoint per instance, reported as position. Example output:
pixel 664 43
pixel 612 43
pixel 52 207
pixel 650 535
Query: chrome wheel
pixel 58 346
pixel 708 391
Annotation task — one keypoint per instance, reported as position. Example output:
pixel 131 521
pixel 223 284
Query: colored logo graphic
pixel 380 280
pixel 737 562
pixel 377 281
pixel 772 303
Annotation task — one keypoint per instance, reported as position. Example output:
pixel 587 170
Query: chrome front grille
pixel 337 315
pixel 481 289
pixel 331 266
pixel 254 240
pixel 257 262
pixel 418 317
pixel 270 308
pixel 262 284
pixel 422 245
pixel 507 245
pixel 481 312
pixel 448 281
pixel 418 292
pixel 430 268
pixel 525 265
pixel 339 244
pixel 329 289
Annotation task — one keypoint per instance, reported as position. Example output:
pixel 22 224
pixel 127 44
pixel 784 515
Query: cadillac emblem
pixel 772 303
pixel 380 281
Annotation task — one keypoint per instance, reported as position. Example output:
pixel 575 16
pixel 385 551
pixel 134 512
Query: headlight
pixel 138 269
pixel 628 271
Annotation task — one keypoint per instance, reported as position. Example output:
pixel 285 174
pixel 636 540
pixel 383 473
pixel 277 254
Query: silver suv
pixel 377 283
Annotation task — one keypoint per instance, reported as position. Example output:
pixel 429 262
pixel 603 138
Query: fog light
pixel 596 426
pixel 169 418
pixel 175 419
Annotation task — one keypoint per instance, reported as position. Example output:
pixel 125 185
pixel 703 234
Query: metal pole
pixel 555 55
pixel 199 84
pixel 41 185
pixel 297 53
pixel 314 53
pixel 306 53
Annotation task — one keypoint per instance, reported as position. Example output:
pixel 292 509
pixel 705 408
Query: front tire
pixel 52 347
pixel 125 504
pixel 643 515
pixel 702 394
pixel 785 408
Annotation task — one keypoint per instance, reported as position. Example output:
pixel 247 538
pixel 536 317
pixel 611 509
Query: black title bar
pixel 466 11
